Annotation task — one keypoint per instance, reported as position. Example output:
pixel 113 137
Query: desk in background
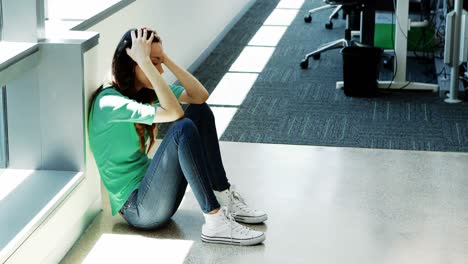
pixel 401 49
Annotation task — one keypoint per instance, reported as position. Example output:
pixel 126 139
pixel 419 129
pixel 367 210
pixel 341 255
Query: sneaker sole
pixel 251 219
pixel 234 241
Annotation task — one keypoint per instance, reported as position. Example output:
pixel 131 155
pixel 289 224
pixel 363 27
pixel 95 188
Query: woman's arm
pixel 195 92
pixel 170 108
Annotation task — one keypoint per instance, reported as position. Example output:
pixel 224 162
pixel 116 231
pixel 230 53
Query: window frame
pixel 14 64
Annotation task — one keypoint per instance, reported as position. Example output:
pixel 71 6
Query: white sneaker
pixel 239 209
pixel 221 228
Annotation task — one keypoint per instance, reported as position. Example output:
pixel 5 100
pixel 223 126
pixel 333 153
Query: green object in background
pixel 419 39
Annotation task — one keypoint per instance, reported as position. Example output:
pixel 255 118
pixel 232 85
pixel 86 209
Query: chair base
pixel 337 44
pixel 333 15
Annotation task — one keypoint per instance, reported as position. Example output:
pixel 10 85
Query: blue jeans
pixel 189 153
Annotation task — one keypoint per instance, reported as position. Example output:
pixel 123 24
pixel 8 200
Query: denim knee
pixel 149 222
pixel 186 126
pixel 151 225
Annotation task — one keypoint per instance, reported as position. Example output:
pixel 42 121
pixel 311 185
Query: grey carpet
pixel 288 105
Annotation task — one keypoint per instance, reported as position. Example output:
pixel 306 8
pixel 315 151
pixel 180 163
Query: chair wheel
pixel 329 25
pixel 308 19
pixel 335 16
pixel 316 56
pixel 305 64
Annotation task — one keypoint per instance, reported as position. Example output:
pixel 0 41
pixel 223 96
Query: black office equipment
pixel 361 70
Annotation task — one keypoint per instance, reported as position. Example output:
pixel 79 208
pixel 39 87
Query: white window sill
pixel 63 17
pixel 27 198
pixel 16 58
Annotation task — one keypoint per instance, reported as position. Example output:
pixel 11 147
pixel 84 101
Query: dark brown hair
pixel 123 80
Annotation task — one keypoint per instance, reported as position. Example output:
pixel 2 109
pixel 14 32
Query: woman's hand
pixel 141 47
pixel 155 34
pixel 160 42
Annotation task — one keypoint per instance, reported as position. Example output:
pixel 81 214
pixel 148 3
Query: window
pixel 78 15
pixel 40 155
pixel 1 20
pixel 3 131
pixel 3 147
pixel 75 10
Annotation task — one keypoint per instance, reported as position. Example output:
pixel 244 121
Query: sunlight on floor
pixel 239 80
pixel 295 4
pixel 114 248
pixel 252 59
pixel 268 36
pixel 232 89
pixel 281 17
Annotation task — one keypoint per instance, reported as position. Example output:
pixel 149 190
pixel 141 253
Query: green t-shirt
pixel 115 144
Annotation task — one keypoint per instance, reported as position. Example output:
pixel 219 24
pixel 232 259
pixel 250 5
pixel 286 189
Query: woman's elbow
pixel 178 114
pixel 202 98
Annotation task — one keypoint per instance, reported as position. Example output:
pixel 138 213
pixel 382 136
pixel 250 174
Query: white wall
pixel 187 28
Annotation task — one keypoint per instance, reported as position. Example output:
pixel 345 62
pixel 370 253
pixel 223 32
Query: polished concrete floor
pixel 326 205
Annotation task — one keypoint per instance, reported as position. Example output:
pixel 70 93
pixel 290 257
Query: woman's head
pixel 127 75
pixel 130 80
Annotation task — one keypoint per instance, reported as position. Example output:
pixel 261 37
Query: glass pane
pixel 3 131
pixel 75 10
pixel 1 19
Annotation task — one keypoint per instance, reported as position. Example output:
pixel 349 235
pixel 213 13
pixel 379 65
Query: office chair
pixel 352 9
pixel 334 14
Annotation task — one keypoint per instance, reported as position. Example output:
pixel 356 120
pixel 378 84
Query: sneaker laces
pixel 234 226
pixel 239 201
